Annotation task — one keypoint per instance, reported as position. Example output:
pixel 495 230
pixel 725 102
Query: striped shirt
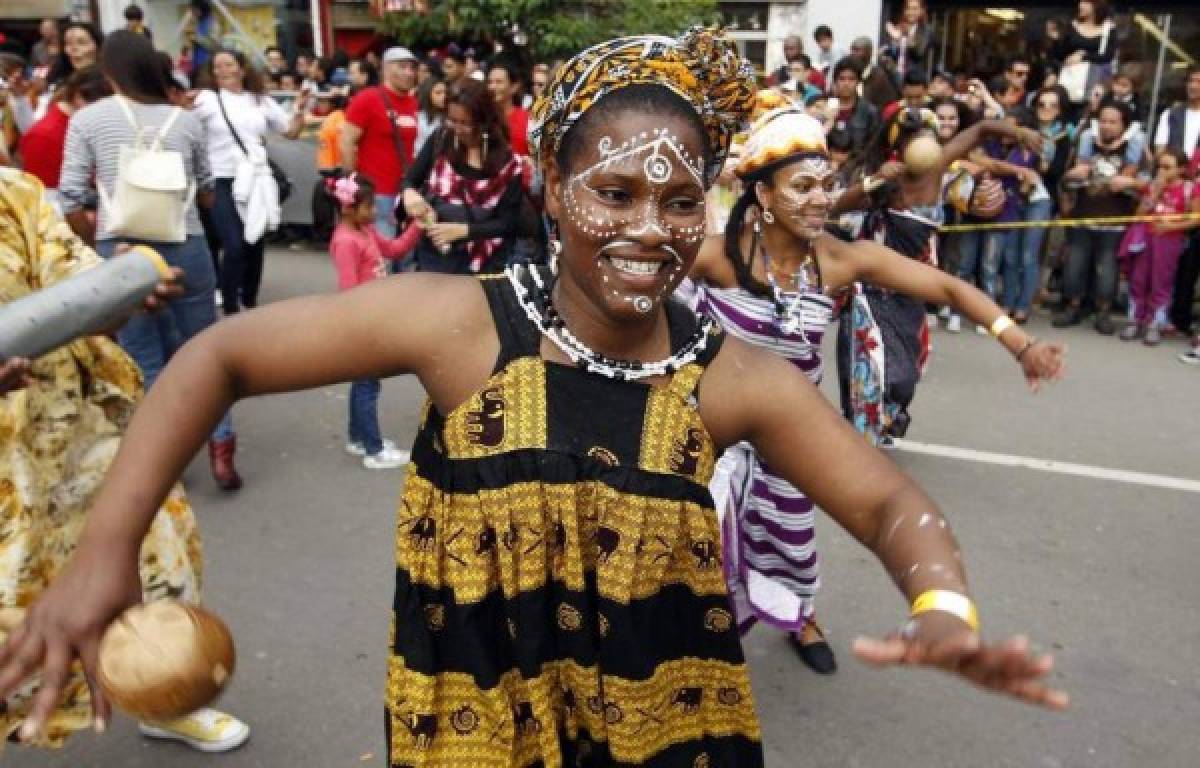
pixel 94 138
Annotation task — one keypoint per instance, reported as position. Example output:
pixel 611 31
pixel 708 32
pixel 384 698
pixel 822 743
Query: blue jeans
pixel 971 247
pixel 242 265
pixel 1022 258
pixel 151 340
pixel 1091 264
pixel 364 415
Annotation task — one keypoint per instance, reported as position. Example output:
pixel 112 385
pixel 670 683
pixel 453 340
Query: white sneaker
pixel 954 323
pixel 945 313
pixel 356 449
pixel 981 330
pixel 1191 357
pixel 388 458
pixel 206 730
pixel 218 299
pixel 931 319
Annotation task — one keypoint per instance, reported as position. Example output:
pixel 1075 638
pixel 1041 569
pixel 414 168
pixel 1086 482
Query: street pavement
pixel 1102 573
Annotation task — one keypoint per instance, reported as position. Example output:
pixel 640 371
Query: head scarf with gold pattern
pixel 702 67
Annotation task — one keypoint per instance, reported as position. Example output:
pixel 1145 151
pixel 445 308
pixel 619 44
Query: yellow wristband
pixel 1001 324
pixel 948 602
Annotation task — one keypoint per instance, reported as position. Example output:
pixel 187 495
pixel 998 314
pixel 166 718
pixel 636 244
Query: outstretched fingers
pixel 55 672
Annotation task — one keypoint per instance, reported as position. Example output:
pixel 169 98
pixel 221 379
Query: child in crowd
pixel 358 252
pixel 1151 250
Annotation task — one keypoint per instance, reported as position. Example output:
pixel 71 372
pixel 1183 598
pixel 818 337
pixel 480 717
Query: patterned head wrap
pixel 904 122
pixel 779 137
pixel 702 67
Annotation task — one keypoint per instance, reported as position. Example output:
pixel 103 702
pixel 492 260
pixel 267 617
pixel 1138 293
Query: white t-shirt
pixel 252 115
pixel 1191 129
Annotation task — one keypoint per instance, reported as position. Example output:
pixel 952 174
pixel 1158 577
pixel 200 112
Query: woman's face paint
pixel 801 195
pixel 631 218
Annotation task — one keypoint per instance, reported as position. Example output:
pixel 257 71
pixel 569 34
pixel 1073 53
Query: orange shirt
pixel 329 141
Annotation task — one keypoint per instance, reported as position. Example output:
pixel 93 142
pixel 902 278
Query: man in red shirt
pixel 504 83
pixel 380 129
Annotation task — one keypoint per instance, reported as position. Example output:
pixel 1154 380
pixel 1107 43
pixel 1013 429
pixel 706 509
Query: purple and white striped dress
pixel 770 553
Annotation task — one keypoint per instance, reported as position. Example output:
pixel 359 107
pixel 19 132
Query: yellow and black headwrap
pixel 904 122
pixel 702 67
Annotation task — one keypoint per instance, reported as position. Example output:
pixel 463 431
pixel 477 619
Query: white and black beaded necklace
pixel 539 308
pixel 787 311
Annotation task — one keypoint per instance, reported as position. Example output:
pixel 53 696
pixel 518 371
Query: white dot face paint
pixel 642 196
pixel 802 195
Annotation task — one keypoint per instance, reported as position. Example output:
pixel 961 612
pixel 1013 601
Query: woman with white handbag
pixel 237 116
pixel 148 162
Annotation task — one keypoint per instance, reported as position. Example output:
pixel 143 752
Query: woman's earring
pixel 768 217
pixel 485 143
pixel 457 144
pixel 555 249
pixel 757 227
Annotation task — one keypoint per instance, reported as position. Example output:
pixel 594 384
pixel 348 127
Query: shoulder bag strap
pixel 162 134
pixel 232 130
pixel 391 115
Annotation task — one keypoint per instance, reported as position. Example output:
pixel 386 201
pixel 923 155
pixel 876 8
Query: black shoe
pixel 1068 317
pixel 1104 323
pixel 816 656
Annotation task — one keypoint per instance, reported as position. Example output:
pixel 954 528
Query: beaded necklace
pixel 539 308
pixel 787 311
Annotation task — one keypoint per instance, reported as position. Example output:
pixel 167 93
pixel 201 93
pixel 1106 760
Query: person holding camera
pixel 1105 177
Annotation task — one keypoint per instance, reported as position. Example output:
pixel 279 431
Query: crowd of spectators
pixel 1104 158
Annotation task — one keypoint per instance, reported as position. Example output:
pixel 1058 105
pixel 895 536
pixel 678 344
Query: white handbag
pixel 152 193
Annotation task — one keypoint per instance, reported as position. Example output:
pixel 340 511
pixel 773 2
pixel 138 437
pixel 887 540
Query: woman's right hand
pixel 415 205
pixel 66 622
pixel 14 374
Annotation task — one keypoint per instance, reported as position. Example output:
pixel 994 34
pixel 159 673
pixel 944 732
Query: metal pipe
pixel 1151 120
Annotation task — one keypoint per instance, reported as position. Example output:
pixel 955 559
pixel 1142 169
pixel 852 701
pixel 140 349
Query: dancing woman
pixel 883 340
pixel 559 597
pixel 776 285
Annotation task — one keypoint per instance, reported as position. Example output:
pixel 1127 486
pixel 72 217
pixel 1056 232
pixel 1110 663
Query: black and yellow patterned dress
pixel 560 599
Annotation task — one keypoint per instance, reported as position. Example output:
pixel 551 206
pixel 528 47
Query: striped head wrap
pixel 779 137
pixel 702 67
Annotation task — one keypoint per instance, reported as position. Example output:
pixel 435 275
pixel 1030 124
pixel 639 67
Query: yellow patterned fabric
pixel 560 593
pixel 703 67
pixel 58 437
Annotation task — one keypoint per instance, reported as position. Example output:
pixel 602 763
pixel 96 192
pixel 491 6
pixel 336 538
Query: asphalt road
pixel 1103 573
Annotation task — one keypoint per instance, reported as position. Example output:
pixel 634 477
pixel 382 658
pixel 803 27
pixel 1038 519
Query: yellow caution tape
pixel 1104 221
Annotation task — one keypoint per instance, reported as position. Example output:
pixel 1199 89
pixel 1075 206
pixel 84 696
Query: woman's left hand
pixel 941 640
pixel 446 233
pixel 1043 362
pixel 168 288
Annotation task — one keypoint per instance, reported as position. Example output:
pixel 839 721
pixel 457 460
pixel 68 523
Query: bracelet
pixel 1028 345
pixel 947 602
pixel 1000 325
pixel 872 183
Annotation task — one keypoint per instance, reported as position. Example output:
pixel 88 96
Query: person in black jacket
pixel 467 184
pixel 855 116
